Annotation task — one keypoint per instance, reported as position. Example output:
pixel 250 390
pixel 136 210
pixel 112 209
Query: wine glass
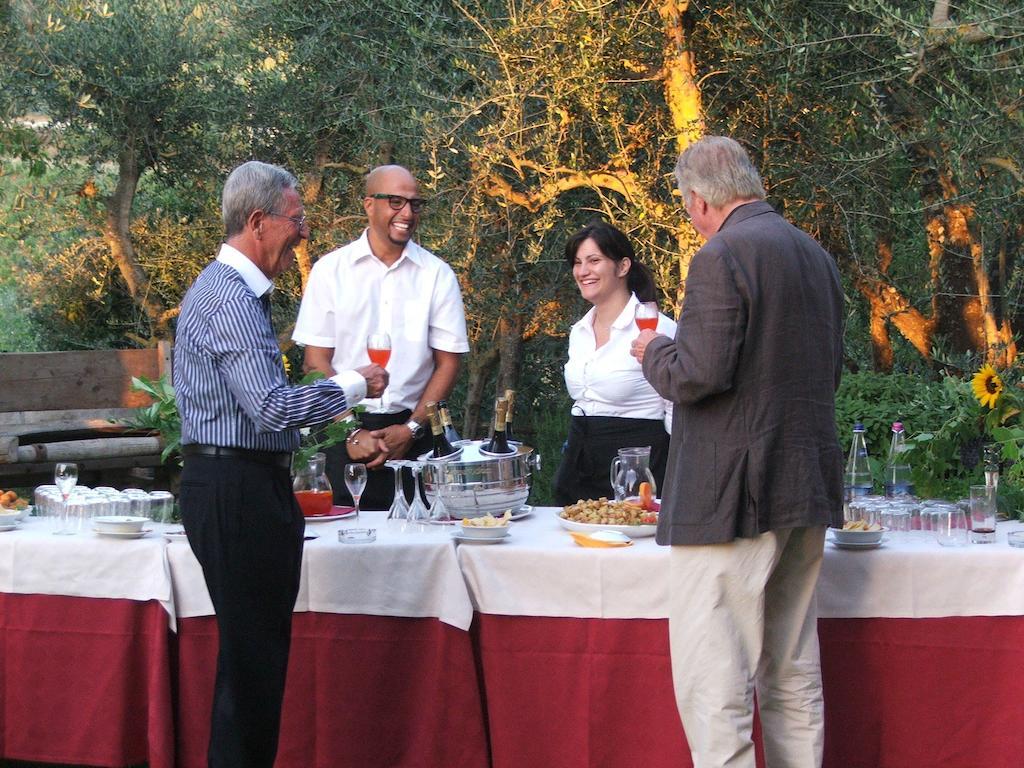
pixel 646 315
pixel 378 347
pixel 355 481
pixel 65 477
pixel 399 507
pixel 419 516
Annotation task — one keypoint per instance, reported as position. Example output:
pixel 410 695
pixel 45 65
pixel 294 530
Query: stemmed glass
pixel 399 507
pixel 355 481
pixel 378 347
pixel 646 315
pixel 65 477
pixel 417 510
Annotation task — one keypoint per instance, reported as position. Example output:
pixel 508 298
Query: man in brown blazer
pixel 754 469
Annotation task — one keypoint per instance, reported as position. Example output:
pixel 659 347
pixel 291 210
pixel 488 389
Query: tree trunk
pixel 480 366
pixel 117 233
pixel 683 98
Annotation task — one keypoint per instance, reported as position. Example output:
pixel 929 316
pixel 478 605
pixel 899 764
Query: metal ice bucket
pixel 473 483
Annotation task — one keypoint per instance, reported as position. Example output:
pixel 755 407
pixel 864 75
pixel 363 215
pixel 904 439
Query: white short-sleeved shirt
pixel 609 381
pixel 351 294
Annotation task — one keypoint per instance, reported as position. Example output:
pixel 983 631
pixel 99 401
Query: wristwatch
pixel 415 427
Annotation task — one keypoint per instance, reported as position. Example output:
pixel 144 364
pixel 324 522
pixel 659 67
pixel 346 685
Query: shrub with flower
pixel 983 427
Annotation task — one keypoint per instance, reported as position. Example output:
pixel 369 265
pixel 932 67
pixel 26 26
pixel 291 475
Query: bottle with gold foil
pixel 442 447
pixel 499 437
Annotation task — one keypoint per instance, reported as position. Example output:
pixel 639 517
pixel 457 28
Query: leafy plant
pixel 162 416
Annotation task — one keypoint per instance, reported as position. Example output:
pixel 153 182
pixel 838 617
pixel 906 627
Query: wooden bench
pixel 62 406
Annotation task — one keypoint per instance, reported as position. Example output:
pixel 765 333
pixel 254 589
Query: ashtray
pixel 357 535
pixel 1015 538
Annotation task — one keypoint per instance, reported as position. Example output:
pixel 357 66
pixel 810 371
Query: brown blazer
pixel 753 371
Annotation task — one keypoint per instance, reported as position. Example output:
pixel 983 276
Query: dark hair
pixel 616 246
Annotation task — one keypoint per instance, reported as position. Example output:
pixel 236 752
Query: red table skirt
pixel 597 693
pixel 362 692
pixel 85 681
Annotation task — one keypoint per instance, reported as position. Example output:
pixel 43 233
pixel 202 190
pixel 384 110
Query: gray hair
pixel 252 186
pixel 718 169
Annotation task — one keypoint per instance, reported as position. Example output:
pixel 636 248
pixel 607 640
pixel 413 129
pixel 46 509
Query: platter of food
pixel 603 515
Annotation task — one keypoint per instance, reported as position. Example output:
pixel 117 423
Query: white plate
pixel 176 535
pixel 8 527
pixel 633 531
pixel 329 518
pixel 124 534
pixel 524 511
pixel 467 540
pixel 481 532
pixel 868 545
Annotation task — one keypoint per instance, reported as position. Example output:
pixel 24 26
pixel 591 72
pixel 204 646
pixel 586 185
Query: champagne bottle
pixel 510 397
pixel 446 422
pixel 499 437
pixel 442 447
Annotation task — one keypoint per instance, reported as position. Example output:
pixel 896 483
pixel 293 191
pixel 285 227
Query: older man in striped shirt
pixel 240 422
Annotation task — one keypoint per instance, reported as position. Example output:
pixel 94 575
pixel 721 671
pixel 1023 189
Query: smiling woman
pixel 614 406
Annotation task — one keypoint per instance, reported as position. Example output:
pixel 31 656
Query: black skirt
pixel 593 442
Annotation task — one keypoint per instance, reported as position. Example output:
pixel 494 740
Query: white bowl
pixel 857 537
pixel 119 523
pixel 482 531
pixel 10 516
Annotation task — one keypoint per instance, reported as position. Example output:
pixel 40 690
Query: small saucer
pixel 854 546
pixel 8 527
pixel 124 534
pixel 469 540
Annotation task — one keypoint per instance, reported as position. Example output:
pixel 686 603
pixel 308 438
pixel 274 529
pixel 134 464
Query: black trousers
pixel 380 483
pixel 246 530
pixel 593 442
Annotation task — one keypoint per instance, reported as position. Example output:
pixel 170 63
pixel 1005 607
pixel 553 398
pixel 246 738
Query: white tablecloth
pixel 404 573
pixel 540 571
pixel 35 561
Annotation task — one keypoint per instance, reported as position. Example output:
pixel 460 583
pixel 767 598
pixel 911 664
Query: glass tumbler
pixel 950 525
pixel 161 506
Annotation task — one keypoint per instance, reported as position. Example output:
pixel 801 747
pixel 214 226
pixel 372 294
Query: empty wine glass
pixel 355 481
pixel 418 513
pixel 438 511
pixel 399 507
pixel 646 315
pixel 378 347
pixel 65 477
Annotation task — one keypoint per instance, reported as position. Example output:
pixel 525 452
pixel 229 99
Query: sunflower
pixel 987 386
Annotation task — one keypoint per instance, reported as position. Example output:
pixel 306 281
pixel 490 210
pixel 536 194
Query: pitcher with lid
pixel 629 470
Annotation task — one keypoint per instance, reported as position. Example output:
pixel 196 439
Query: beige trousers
pixel 742 617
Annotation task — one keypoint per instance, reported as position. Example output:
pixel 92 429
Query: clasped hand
pixel 376 379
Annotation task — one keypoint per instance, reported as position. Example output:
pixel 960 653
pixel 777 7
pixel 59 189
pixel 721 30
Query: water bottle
pixel 897 471
pixel 857 478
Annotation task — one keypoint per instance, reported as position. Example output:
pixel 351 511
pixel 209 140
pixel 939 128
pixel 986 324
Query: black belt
pixel 275 459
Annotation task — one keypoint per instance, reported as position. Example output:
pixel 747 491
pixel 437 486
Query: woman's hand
pixel 640 343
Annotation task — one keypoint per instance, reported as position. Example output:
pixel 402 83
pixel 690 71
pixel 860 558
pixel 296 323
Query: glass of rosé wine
pixel 646 315
pixel 378 347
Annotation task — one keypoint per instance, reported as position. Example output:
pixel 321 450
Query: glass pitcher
pixel 629 470
pixel 312 488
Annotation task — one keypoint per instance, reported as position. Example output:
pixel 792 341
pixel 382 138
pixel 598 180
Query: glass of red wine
pixel 646 315
pixel 378 347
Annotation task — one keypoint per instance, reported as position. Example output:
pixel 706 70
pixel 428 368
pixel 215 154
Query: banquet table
pixel 417 651
pixel 920 652
pixel 84 649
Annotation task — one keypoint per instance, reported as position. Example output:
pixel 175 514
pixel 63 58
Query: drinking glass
pixel 399 507
pixel 418 513
pixel 378 347
pixel 983 514
pixel 161 506
pixel 646 315
pixel 355 481
pixel 950 524
pixel 65 477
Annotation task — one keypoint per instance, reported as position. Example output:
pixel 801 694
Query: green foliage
pixel 161 416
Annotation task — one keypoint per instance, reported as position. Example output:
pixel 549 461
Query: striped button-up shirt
pixel 229 379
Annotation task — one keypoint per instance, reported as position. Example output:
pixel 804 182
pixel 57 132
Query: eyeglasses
pixel 298 221
pixel 397 202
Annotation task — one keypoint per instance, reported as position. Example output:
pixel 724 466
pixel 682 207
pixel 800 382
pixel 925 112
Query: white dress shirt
pixel 351 294
pixel 609 381
pixel 352 383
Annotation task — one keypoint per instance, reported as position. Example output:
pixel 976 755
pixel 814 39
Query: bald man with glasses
pixel 384 282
